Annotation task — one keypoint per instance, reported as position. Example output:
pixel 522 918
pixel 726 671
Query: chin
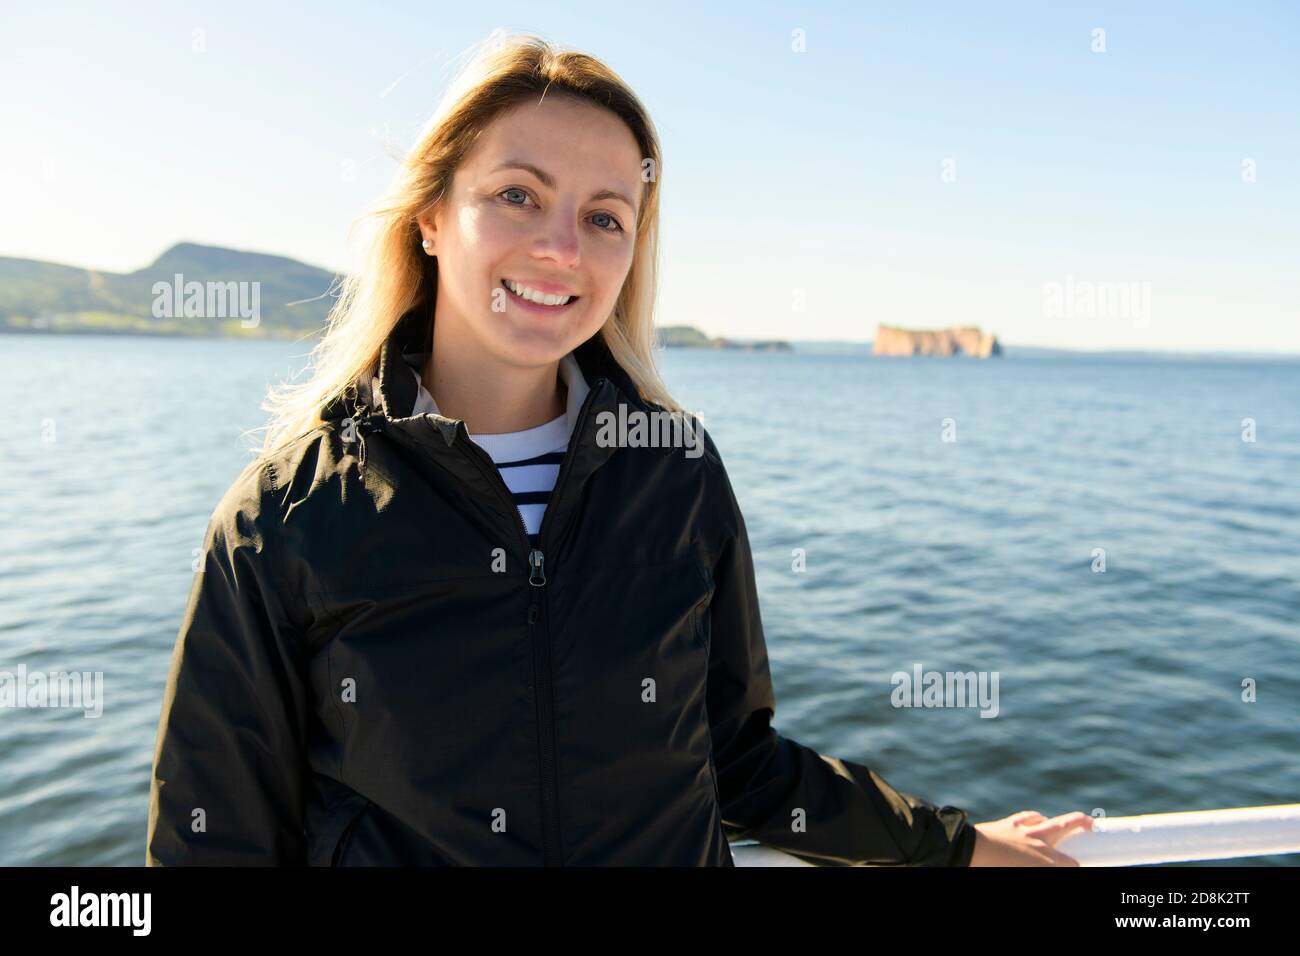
pixel 530 351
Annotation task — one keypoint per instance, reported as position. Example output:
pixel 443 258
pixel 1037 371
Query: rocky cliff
pixel 958 340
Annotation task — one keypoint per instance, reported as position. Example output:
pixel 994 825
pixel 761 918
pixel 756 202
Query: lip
pixel 547 288
pixel 537 307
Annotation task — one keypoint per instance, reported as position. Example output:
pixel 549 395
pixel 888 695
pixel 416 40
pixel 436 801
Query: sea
pixel 1104 550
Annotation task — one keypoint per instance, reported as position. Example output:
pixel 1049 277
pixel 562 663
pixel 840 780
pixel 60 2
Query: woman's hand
pixel 1026 838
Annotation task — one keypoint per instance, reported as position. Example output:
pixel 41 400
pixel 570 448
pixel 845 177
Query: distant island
pixel 689 337
pixel 189 290
pixel 958 340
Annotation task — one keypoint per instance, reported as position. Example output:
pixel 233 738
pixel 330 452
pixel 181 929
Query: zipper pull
pixel 536 574
pixel 354 419
pixel 365 422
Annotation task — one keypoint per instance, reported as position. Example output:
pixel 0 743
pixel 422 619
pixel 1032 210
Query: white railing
pixel 1138 840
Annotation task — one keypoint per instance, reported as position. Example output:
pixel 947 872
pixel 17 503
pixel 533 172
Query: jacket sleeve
pixel 851 815
pixel 229 765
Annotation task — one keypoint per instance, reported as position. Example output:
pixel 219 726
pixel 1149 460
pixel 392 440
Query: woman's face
pixel 567 225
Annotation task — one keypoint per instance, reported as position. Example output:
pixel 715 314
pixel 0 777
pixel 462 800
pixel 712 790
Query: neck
pixel 491 397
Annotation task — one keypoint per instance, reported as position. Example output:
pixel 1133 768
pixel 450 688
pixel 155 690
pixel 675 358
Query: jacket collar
pixel 408 347
pixel 570 373
pixel 433 441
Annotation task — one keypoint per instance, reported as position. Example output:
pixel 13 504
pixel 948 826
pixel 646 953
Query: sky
pixel 1070 175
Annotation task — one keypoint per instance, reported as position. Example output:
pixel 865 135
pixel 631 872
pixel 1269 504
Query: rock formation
pixel 958 340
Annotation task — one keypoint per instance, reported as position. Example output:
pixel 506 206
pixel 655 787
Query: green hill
pixel 290 296
pixel 689 337
pixel 683 337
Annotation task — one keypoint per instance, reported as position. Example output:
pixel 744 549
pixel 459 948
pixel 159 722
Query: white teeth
pixel 532 295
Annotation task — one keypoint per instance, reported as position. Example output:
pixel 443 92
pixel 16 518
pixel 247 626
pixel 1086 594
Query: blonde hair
pixel 398 276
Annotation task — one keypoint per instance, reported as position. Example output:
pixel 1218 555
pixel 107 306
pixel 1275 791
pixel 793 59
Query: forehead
pixel 581 145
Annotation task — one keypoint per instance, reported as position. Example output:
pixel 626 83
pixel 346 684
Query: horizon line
pixel 740 339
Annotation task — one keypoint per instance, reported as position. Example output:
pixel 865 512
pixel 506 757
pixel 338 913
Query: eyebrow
pixel 549 181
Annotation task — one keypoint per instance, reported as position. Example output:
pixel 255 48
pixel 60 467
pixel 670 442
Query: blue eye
pixel 617 227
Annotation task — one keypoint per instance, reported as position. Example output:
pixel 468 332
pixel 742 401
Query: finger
pixel 1057 828
pixel 1067 821
pixel 1026 817
pixel 1077 819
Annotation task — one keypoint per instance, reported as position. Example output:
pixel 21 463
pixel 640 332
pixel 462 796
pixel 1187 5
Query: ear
pixel 428 228
pixel 427 220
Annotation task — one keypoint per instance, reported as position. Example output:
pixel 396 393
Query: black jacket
pixel 369 671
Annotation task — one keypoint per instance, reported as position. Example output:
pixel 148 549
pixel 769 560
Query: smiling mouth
pixel 537 305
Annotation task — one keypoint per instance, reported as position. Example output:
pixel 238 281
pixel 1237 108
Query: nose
pixel 558 238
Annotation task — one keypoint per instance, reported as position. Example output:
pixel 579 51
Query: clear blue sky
pixel 818 171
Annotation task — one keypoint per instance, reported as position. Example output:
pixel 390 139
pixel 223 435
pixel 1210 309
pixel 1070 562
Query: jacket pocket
pixel 342 846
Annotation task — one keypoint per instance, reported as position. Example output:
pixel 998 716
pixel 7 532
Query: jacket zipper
pixel 541 646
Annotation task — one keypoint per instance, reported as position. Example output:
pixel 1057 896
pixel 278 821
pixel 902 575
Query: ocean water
pixel 905 514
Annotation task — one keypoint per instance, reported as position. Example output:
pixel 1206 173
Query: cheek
pixel 481 244
pixel 483 238
pixel 611 261
pixel 475 232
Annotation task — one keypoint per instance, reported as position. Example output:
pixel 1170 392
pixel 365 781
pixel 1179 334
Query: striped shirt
pixel 528 460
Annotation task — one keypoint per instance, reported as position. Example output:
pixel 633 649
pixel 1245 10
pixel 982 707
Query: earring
pixel 428 245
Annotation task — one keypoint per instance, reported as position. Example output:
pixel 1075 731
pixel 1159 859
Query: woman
pixel 451 615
